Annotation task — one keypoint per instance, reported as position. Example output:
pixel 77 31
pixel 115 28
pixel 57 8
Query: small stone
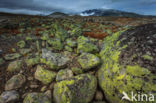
pixel 12 56
pixel 2 61
pixel 36 98
pixel 68 48
pixel 99 102
pixel 24 51
pixel 21 44
pixel 77 70
pixel 71 43
pixel 56 44
pixel 15 66
pixel 9 96
pixel 64 74
pixel 43 75
pixel 88 61
pixel 43 88
pixel 33 86
pixel 30 78
pixel 48 94
pixel 98 96
pixel 15 82
pixel 32 61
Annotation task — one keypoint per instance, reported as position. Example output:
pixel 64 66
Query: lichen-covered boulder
pixel 12 56
pixel 71 43
pixel 88 61
pixel 64 74
pixel 56 44
pixel 54 61
pixel 43 75
pixel 32 61
pixel 129 64
pixel 36 98
pixel 15 66
pixel 79 89
pixel 85 45
pixel 15 82
pixel 68 48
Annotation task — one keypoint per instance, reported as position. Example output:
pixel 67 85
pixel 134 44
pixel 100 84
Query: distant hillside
pixel 108 12
pixel 57 14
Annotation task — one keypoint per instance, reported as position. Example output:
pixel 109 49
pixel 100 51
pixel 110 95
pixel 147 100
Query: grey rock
pixel 9 96
pixel 54 60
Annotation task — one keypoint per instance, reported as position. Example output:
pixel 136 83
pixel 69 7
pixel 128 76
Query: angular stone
pixel 79 89
pixel 15 82
pixel 43 75
pixel 88 61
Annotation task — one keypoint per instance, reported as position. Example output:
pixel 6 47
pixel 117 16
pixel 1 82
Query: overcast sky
pixel 147 7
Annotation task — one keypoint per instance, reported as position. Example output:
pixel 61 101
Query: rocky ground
pixel 75 60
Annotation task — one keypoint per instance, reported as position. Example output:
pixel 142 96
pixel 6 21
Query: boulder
pixel 88 61
pixel 79 89
pixel 85 45
pixel 128 63
pixel 55 61
pixel 43 75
